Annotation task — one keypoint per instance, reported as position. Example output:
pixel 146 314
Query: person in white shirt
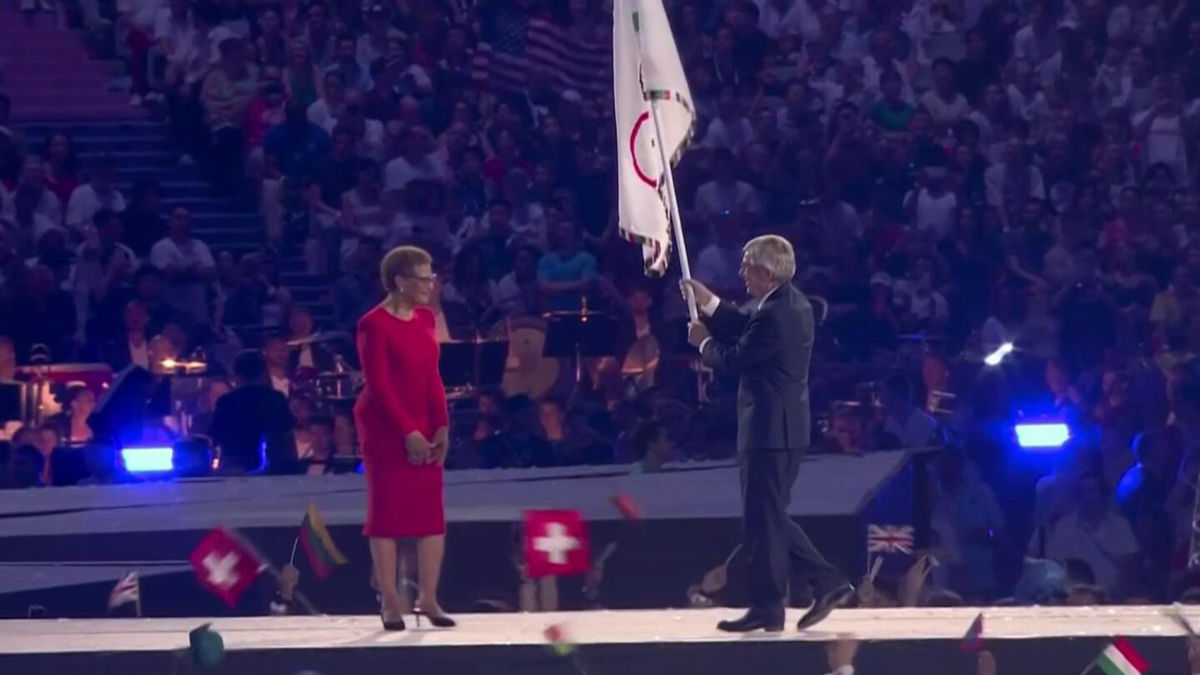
pixel 324 111
pixel 730 129
pixel 719 264
pixel 1161 128
pixel 96 194
pixel 933 205
pixel 417 162
pixel 187 265
pixel 725 194
pixel 1038 41
pixel 778 18
pixel 31 186
pixel 881 58
pixel 1093 532
pixel 944 102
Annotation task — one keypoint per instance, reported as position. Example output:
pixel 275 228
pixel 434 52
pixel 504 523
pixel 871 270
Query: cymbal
pixel 317 337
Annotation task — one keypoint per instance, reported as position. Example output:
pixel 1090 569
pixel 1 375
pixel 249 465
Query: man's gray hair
pixel 774 254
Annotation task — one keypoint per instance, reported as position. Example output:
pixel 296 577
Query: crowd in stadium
pixel 955 175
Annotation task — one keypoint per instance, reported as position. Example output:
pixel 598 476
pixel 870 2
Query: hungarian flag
pixel 1120 658
pixel 323 554
pixel 556 544
pixel 225 566
pixel 127 590
pixel 646 68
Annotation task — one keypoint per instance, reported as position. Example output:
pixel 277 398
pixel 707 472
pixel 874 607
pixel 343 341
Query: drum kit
pixel 520 356
pixel 335 389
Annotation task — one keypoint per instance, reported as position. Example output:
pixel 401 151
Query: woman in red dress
pixel 402 424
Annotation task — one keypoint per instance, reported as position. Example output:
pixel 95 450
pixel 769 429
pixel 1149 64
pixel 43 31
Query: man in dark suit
pixel 768 349
pixel 252 425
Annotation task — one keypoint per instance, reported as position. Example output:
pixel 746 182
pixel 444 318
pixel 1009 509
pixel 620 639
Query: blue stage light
pixel 1042 435
pixel 148 460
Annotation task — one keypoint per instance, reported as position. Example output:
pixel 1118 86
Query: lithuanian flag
pixel 323 554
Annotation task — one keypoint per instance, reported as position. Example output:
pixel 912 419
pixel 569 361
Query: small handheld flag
pixel 890 539
pixel 127 590
pixel 556 544
pixel 225 565
pixel 973 640
pixel 1120 658
pixel 629 509
pixel 556 635
pixel 323 554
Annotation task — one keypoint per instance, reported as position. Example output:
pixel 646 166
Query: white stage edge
pixel 594 627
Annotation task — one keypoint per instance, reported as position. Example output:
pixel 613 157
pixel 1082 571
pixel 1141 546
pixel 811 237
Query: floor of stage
pixel 1028 641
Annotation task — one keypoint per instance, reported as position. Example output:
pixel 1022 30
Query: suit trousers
pixel 774 544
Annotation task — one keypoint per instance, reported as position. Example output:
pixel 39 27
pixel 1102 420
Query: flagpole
pixel 676 228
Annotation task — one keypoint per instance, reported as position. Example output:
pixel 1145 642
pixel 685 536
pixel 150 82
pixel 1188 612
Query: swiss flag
pixel 556 544
pixel 225 566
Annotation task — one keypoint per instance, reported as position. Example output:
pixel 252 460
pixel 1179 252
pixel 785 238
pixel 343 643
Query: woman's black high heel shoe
pixel 436 620
pixel 392 624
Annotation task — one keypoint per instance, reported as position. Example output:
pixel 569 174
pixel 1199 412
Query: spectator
pixel 143 222
pixel 933 205
pixel 944 102
pixel 336 174
pixel 566 273
pixel 968 528
pixel 61 166
pixel 416 161
pixel 42 314
pixel 1142 495
pixel 724 194
pixel 730 129
pixel 31 193
pixel 1095 533
pixel 301 81
pixel 891 112
pixel 346 65
pixel 719 264
pixel 226 95
pixel 188 266
pixel 96 194
pixel 133 349
pixel 911 426
pixel 324 112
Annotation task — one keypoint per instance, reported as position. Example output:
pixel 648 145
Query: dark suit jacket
pixel 249 418
pixel 768 350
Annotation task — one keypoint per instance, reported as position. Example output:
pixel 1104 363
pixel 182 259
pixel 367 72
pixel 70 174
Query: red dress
pixel 403 394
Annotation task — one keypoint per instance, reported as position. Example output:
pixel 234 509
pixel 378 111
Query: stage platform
pixel 63 548
pixel 1025 641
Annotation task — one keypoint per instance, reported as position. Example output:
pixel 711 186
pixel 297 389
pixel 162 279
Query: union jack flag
pixel 890 539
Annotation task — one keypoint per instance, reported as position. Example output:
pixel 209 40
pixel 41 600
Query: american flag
pixel 890 539
pixel 518 46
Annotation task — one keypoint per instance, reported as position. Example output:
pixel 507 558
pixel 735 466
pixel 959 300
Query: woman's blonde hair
pixel 400 262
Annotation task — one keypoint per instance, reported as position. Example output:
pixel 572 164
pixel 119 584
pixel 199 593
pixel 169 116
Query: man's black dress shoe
pixel 771 622
pixel 825 604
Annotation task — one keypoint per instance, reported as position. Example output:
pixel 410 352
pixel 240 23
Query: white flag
pixel 646 67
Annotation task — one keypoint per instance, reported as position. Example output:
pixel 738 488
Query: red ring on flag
pixel 637 127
